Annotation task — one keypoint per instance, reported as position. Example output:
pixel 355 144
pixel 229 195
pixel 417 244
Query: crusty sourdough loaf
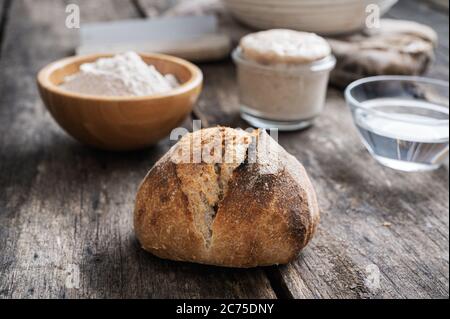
pixel 238 200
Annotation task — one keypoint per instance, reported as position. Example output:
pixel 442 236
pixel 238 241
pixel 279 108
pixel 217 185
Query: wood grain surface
pixel 66 210
pixel 373 219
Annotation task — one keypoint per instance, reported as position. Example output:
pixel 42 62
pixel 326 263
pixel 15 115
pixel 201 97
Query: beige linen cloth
pixel 396 47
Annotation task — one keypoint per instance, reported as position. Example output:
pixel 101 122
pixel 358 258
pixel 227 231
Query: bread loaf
pixel 229 198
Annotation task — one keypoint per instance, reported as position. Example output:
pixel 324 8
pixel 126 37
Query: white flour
pixel 122 75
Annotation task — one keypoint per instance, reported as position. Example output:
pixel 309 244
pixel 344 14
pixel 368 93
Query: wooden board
pixel 372 217
pixel 374 220
pixel 66 210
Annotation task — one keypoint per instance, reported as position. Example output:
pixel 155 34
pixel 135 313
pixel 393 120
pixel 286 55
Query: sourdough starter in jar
pixel 283 78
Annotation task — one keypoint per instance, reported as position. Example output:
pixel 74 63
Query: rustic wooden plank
pixel 370 216
pixel 376 223
pixel 66 210
pixel 353 237
pixel 359 201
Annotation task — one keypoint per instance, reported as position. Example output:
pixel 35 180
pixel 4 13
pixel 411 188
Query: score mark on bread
pixel 222 197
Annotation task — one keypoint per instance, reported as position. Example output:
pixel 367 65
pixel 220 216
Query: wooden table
pixel 66 210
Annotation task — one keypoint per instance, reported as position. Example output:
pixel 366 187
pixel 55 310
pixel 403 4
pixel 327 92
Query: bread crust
pixel 260 219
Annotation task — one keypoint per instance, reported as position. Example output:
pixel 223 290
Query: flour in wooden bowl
pixel 122 75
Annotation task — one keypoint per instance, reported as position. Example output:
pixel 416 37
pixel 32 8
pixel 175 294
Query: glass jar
pixel 284 96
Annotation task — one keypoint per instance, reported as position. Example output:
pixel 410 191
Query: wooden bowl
pixel 120 123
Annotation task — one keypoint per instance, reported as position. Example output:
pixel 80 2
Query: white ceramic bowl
pixel 326 17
